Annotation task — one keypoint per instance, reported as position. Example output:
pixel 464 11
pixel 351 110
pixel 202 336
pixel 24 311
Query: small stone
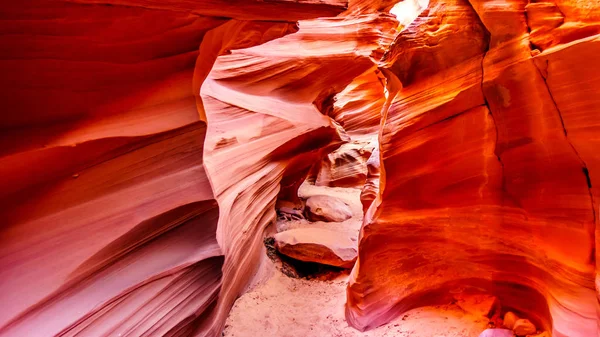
pixel 524 327
pixel 509 319
pixel 327 208
pixel 496 333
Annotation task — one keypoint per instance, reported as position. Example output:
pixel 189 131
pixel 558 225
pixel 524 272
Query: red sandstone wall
pixel 488 178
pixel 109 193
pixel 109 220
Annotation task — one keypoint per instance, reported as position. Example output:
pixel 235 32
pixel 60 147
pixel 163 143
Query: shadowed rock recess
pixel 145 146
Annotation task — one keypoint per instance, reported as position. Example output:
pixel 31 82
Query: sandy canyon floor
pixel 291 307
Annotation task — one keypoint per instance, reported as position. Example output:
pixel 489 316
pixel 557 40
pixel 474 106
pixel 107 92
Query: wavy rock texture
pixel 344 167
pixel 267 116
pixel 110 225
pixel 371 187
pixel 487 174
pixel 357 108
pixel 120 219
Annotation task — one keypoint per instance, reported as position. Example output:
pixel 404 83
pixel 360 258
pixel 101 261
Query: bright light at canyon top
pixel 407 11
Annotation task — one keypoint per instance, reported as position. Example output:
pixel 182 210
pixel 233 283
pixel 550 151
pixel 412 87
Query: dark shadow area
pixel 300 269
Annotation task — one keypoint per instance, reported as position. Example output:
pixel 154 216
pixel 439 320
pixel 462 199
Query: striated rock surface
pixel 371 187
pixel 344 167
pixel 487 174
pixel 317 245
pixel 477 304
pixel 357 108
pixel 268 123
pixel 110 224
pixel 145 144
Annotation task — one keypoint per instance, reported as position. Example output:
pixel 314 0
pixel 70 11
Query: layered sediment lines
pixel 344 167
pixel 145 144
pixel 487 174
pixel 109 220
pixel 267 109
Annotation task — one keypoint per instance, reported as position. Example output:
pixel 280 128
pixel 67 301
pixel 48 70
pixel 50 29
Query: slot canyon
pixel 300 168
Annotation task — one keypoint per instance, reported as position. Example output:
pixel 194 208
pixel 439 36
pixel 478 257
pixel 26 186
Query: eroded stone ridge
pixel 110 223
pixel 487 174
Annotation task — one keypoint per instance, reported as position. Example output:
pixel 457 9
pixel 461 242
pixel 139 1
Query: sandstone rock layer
pixel 487 179
pixel 110 223
pixel 145 144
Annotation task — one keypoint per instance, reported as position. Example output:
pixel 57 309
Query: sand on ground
pixel 290 307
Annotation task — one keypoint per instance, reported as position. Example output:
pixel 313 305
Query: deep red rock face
pixel 488 179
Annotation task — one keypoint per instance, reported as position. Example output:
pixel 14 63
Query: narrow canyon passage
pixel 313 305
pixel 299 168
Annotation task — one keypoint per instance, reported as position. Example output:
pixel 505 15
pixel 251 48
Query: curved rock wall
pixel 487 176
pixel 120 219
pixel 109 220
pixel 267 115
pixel 371 187
pixel 357 108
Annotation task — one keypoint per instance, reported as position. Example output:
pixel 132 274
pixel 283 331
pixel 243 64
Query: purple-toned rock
pixel 497 333
pixel 317 245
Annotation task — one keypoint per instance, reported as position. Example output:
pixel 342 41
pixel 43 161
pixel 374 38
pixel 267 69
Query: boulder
pixel 327 208
pixel 324 246
pixel 509 319
pixel 524 327
pixel 496 333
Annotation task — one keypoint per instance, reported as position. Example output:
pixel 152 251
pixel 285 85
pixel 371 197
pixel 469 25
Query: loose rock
pixel 327 208
pixel 345 167
pixel 509 319
pixel 524 327
pixel 318 245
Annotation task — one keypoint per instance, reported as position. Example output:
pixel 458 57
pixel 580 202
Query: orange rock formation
pixel 488 172
pixel 145 144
